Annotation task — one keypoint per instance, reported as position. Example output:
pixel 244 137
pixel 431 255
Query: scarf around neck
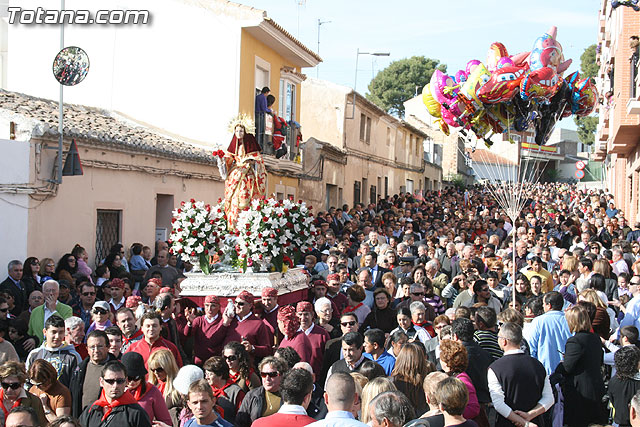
pixel 125 399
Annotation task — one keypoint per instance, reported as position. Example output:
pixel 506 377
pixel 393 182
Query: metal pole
pixel 355 85
pixel 515 267
pixel 60 107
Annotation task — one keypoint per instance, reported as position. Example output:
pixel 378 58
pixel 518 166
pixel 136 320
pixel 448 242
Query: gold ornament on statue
pixel 244 120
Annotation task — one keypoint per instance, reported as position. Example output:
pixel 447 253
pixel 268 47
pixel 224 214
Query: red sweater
pixel 209 338
pixel 255 331
pixel 283 420
pixel 145 349
pixel 301 344
pixel 317 338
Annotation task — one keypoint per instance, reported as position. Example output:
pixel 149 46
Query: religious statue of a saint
pixel 246 175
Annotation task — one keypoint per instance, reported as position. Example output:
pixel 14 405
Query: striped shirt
pixel 489 341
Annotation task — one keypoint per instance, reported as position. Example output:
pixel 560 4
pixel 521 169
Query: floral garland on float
pixel 271 235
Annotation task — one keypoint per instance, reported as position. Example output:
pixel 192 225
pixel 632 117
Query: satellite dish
pixel 71 66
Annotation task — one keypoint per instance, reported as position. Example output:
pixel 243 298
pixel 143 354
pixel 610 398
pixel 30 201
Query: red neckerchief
pixel 161 386
pixel 426 325
pixel 136 335
pixel 350 309
pixel 125 399
pixel 138 394
pixel 15 404
pixel 219 392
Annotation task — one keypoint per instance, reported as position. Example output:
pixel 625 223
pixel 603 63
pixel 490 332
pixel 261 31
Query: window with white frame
pixel 287 101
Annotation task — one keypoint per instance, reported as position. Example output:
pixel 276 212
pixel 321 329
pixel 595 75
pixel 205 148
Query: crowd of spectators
pixel 421 311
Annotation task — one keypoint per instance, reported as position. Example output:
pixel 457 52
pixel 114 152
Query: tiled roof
pixel 293 39
pixel 482 157
pixel 100 127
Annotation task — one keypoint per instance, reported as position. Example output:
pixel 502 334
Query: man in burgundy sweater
pixel 317 335
pixel 209 331
pixel 247 329
pixel 334 294
pixel 270 309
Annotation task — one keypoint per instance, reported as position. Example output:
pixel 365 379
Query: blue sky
pixel 452 32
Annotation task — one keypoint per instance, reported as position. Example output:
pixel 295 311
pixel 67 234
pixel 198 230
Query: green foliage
pixel 397 83
pixel 456 180
pixel 588 66
pixel 587 125
pixel 586 128
pixel 552 175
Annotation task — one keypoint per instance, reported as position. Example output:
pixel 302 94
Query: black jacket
pixel 479 361
pixel 381 319
pixel 20 296
pixel 77 383
pixel 251 408
pixel 583 386
pixel 121 416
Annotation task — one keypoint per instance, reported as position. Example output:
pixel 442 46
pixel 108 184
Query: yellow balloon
pixel 430 102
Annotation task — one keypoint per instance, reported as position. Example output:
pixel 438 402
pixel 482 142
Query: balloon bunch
pixel 510 92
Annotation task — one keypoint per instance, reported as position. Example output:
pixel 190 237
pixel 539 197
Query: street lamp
pixel 355 84
pixel 318 51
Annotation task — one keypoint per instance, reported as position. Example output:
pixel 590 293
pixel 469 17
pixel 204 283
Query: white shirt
pixel 243 318
pixel 48 313
pixel 497 394
pixel 212 319
pixel 292 409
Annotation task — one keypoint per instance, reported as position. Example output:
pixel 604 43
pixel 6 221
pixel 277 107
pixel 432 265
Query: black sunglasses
pixel 134 378
pixel 417 294
pixel 4 310
pixel 112 381
pixel 350 323
pixel 157 370
pixel 13 386
pixel 87 294
pixel 269 374
pixel 231 358
pixel 99 311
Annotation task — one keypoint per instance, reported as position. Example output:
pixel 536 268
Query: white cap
pixel 187 375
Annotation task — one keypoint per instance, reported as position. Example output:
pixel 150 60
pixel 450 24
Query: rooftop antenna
pixel 318 50
pixel 300 3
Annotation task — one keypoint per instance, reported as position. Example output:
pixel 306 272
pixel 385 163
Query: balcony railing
pixel 278 138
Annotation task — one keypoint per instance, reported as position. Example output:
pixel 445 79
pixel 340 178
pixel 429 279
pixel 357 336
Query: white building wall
pixel 179 72
pixel 14 208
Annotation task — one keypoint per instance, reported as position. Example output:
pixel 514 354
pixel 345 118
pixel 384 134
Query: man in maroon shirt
pixel 317 335
pixel 152 341
pixel 209 331
pixel 334 294
pixel 247 329
pixel 270 309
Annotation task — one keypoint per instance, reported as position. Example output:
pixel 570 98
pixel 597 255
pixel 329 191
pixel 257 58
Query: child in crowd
pixel 100 315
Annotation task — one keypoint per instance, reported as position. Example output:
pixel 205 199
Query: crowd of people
pixel 418 314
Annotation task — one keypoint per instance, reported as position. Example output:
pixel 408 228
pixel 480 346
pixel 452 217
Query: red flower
pixel 193 253
pixel 289 224
pixel 219 210
pixel 265 244
pixel 194 233
pixel 192 220
pixel 193 200
pixel 206 251
pixel 173 220
pixel 248 233
pixel 180 210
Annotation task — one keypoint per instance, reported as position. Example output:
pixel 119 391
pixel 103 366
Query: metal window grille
pixel 107 232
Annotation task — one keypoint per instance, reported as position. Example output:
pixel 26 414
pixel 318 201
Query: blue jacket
pixel 549 334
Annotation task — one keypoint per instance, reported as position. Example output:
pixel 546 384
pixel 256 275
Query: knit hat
pixel 287 315
pixel 269 292
pixel 155 280
pixel 319 282
pixel 212 299
pixel 133 301
pixel 117 283
pixel 187 375
pixel 246 296
pixel 304 306
pixel 134 364
pixel 333 276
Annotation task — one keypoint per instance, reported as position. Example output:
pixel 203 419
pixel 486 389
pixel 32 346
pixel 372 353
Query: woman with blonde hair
pixel 570 263
pixel 409 372
pixel 360 382
pixel 604 321
pixel 373 388
pixel 602 266
pixel 584 387
pixel 163 369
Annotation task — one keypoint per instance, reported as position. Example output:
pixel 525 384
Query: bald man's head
pixel 340 392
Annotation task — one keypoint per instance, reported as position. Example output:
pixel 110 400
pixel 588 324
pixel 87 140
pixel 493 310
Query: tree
pixel 397 83
pixel 589 69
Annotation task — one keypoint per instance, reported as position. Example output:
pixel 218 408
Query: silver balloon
pixel 71 66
